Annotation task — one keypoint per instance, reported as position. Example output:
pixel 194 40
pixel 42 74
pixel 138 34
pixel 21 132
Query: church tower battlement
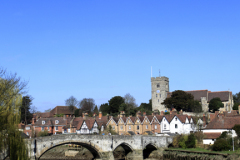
pixel 160 88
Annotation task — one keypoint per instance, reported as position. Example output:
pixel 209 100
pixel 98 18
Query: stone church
pixel 160 91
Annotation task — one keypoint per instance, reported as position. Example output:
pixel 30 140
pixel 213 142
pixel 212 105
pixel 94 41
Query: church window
pixel 158 85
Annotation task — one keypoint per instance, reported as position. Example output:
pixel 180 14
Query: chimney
pixel 33 120
pixel 122 114
pixel 156 112
pixel 83 114
pixel 107 116
pixel 204 118
pixel 94 115
pixel 100 115
pixel 64 116
pixel 170 112
pixel 162 113
pixel 144 114
pixel 153 114
pixel 181 112
pixel 86 116
pixel 138 114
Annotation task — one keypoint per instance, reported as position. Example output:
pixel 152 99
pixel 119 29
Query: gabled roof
pixel 90 123
pixel 159 118
pixel 102 121
pixel 52 121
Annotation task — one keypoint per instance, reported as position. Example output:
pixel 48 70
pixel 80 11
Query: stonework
pixel 101 147
pixel 160 88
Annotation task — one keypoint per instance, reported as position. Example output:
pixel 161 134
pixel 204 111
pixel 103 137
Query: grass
pixel 205 150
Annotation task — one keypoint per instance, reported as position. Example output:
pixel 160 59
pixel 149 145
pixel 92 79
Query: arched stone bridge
pixel 100 146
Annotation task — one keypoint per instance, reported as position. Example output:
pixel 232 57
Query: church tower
pixel 160 87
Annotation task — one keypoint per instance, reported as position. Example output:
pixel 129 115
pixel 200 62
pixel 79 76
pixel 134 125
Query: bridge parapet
pixel 100 146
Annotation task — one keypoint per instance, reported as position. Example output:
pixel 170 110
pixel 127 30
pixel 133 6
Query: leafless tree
pixel 71 102
pixel 87 105
pixel 130 101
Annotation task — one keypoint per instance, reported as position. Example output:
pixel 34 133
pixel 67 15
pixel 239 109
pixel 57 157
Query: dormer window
pixel 43 122
pixel 56 121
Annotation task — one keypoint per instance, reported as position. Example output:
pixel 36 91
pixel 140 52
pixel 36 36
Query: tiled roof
pixel 211 135
pixel 90 123
pixel 196 93
pixel 77 122
pixel 62 110
pixel 223 123
pixel 51 121
pixel 42 115
pixel 223 95
pixel 159 117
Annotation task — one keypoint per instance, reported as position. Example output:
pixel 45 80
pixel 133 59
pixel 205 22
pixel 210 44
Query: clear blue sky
pixel 100 49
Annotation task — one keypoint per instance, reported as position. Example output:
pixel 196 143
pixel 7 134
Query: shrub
pixel 166 113
pixel 42 133
pixel 237 129
pixel 224 135
pixel 182 141
pixel 221 145
pixel 191 141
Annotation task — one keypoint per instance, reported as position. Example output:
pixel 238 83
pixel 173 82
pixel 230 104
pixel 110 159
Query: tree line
pixel 115 105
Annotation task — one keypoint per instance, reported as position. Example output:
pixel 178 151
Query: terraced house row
pixel 152 124
pixel 140 124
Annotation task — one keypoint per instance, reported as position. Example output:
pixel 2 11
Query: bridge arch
pixel 149 148
pixel 122 150
pixel 92 148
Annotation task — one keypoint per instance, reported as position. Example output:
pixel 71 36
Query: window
pixel 129 127
pixel 56 128
pixel 27 128
pixel 156 95
pixel 102 128
pixel 42 128
pixel 176 119
pixel 176 126
pixel 57 121
pixel 48 128
pixel 160 95
pixel 113 127
pixel 146 126
pixel 43 122
pixel 164 126
pixel 155 126
pixel 27 133
pixel 137 127
pixel 158 100
pixel 121 127
pixel 137 120
pixel 158 85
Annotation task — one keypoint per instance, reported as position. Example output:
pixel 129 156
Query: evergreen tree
pixel 215 104
pixel 95 110
pixel 26 115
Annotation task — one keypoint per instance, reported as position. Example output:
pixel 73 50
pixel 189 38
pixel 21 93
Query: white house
pixel 218 125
